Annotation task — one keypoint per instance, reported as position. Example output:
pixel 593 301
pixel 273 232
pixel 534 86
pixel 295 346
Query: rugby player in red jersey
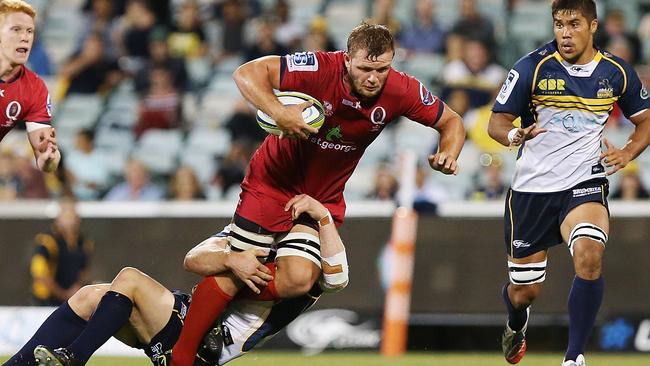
pixel 23 95
pixel 361 94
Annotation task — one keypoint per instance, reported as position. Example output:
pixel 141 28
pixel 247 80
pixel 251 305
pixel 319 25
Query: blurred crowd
pixel 169 123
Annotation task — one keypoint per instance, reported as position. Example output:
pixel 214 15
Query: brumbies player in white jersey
pixel 563 92
pixel 23 95
pixel 142 313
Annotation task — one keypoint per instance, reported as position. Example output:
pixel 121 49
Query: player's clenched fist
pixel 443 163
pixel 614 157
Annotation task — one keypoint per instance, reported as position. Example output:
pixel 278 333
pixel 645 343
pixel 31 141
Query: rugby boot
pixel 211 347
pixel 58 357
pixel 580 361
pixel 513 344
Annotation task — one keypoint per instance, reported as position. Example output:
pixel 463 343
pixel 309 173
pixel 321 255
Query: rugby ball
pixel 313 116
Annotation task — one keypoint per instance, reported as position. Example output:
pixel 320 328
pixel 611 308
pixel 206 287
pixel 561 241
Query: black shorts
pixel 532 220
pixel 162 343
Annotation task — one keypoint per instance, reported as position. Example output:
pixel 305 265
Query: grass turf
pixel 411 359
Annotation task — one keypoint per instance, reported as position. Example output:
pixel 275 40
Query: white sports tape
pixel 33 126
pixel 241 240
pixel 335 273
pixel 527 274
pixel 588 231
pixel 302 245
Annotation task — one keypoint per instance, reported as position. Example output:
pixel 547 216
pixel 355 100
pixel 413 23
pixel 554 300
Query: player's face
pixel 368 76
pixel 16 37
pixel 574 35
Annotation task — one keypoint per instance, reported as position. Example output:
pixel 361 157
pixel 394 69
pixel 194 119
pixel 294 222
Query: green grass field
pixel 412 359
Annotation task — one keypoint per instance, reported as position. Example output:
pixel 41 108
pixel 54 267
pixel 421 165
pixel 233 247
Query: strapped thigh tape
pixel 302 245
pixel 527 274
pixel 588 231
pixel 241 240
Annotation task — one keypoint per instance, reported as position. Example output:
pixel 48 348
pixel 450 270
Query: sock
pixel 267 293
pixel 208 302
pixel 58 330
pixel 584 301
pixel 112 313
pixel 516 317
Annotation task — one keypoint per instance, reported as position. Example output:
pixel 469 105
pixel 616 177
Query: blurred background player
pixel 142 313
pixel 59 266
pixel 24 95
pixel 571 86
pixel 362 94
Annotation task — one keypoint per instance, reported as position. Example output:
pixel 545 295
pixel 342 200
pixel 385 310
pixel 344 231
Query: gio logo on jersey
pixel 508 86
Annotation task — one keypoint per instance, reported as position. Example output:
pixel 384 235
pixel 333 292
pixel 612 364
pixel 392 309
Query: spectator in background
pixel 382 13
pixel 474 25
pixel 233 167
pixel 101 20
pixel 90 71
pixel 32 180
pixel 184 185
pixel 59 266
pixel 10 184
pixel 160 106
pixel 232 29
pixel 630 187
pixel 160 57
pixel 318 38
pixel 425 34
pixel 475 73
pixel 86 171
pixel 289 32
pixel 187 38
pixel 133 34
pixel 265 41
pixel 614 31
pixel 242 124
pixel 428 193
pixel 39 60
pixel 385 186
pixel 136 187
pixel 488 182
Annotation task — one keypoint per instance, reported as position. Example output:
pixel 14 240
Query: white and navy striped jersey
pixel 573 103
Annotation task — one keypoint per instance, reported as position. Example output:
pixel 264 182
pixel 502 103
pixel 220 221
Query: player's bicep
pixel 447 117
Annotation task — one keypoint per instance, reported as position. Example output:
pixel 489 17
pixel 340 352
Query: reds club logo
pixel 378 115
pixel 12 112
pixel 426 96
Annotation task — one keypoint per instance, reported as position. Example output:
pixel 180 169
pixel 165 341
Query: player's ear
pixel 593 26
pixel 346 59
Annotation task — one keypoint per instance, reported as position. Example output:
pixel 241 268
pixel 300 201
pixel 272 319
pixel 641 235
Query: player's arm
pixel 617 159
pixel 452 138
pixel 256 80
pixel 502 130
pixel 213 256
pixel 42 137
pixel 333 257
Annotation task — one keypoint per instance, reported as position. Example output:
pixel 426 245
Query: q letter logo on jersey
pixel 302 61
pixel 508 86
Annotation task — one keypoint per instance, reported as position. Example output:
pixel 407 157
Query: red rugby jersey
pixel 320 165
pixel 24 99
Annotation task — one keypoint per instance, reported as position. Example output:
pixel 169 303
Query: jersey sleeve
pixel 421 105
pixel 514 96
pixel 305 71
pixel 41 104
pixel 635 97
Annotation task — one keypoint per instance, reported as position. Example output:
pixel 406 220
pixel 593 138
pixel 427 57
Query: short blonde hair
pixel 16 6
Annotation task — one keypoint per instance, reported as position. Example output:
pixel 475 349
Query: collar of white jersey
pixel 581 71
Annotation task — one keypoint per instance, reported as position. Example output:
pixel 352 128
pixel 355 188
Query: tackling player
pixel 563 92
pixel 143 314
pixel 361 94
pixel 23 95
